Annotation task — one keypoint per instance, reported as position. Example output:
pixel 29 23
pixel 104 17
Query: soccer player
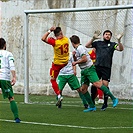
pixel 61 55
pixel 95 91
pixel 104 52
pixel 68 75
pixel 6 83
pixel 88 73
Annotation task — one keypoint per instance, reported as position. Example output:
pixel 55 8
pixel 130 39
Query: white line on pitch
pixel 70 126
pixel 51 103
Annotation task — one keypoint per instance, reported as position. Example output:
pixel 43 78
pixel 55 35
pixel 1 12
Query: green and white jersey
pixel 80 51
pixel 68 69
pixel 6 64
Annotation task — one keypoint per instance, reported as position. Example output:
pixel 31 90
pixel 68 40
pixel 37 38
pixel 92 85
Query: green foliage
pixel 39 116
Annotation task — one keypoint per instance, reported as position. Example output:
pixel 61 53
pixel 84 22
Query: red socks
pixel 100 93
pixel 55 86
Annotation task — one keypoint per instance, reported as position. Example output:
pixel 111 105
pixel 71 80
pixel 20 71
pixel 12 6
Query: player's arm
pixel 45 36
pixel 119 46
pixel 95 36
pixel 72 60
pixel 89 43
pixel 74 55
pixel 82 60
pixel 13 80
pixel 12 69
pixel 74 70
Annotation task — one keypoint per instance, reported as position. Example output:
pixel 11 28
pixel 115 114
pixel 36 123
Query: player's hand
pixel 52 28
pixel 74 52
pixel 96 35
pixel 13 81
pixel 74 63
pixel 74 57
pixel 119 36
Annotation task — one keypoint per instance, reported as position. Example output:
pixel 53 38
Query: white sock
pixel 59 96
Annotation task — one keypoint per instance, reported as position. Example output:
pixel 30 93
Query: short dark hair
pixel 75 39
pixel 107 31
pixel 57 30
pixel 2 43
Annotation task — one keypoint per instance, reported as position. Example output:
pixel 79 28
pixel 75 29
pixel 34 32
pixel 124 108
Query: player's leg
pixel 14 109
pixel 61 80
pixel 87 95
pixel 100 96
pixel 85 103
pixel 75 85
pixel 106 73
pixel 54 71
pixel 7 92
pixel 95 90
pixel 54 74
pixel 99 85
pixel 106 98
pixel 96 82
pixel 105 104
pixel 88 98
pixel 93 93
pixel 85 83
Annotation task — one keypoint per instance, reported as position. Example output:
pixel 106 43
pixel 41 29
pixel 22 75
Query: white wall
pixel 12 29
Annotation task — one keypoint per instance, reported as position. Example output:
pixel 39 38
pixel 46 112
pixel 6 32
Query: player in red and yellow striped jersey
pixel 93 55
pixel 61 55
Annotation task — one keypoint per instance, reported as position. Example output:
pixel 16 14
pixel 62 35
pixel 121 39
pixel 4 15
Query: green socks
pixel 14 109
pixel 89 100
pixel 83 98
pixel 107 92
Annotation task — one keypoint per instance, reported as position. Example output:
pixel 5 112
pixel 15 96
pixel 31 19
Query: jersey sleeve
pixel 92 54
pixel 51 41
pixel 94 44
pixel 115 45
pixel 81 50
pixel 11 62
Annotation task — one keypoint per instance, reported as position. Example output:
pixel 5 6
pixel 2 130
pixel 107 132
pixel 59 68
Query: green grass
pixel 42 116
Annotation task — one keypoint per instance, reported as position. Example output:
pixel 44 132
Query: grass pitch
pixel 42 116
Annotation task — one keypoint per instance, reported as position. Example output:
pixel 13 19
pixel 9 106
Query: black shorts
pixel 103 73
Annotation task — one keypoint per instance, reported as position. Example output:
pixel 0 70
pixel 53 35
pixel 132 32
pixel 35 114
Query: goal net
pixel 81 22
